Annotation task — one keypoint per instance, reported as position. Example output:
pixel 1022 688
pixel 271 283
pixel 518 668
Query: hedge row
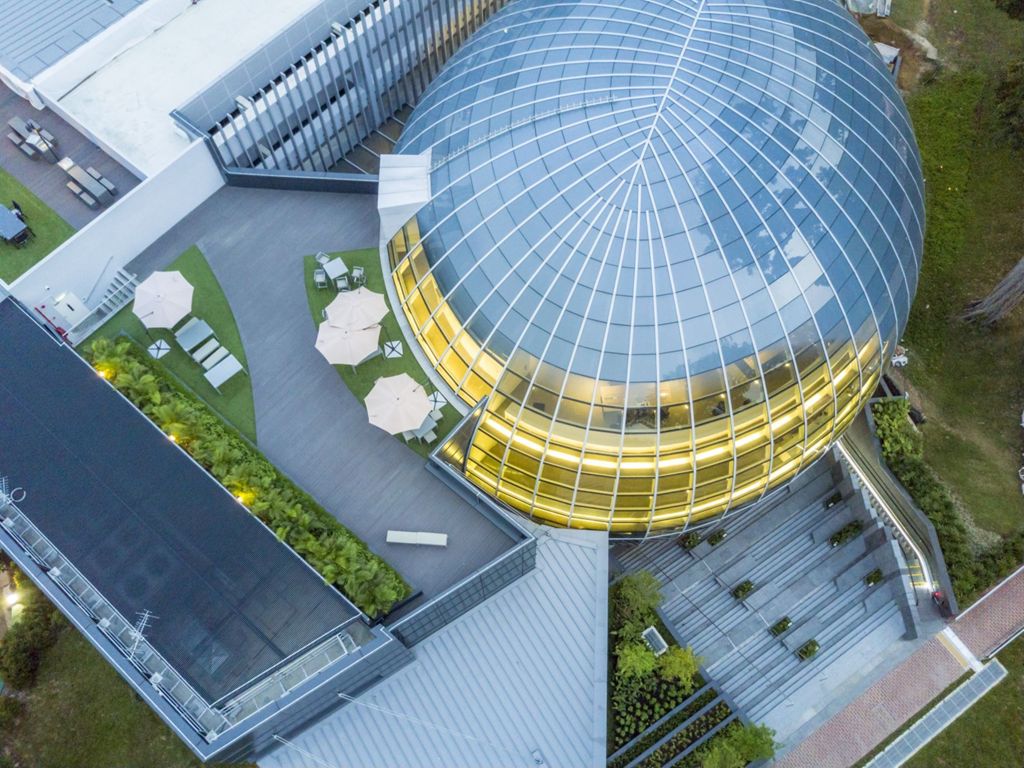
pixel 902 447
pixel 335 552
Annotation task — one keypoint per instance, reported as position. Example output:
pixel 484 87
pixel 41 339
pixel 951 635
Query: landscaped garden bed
pixel 781 626
pixel 233 400
pixel 717 537
pixel 743 589
pixel 848 532
pixel 808 650
pixel 689 540
pixel 334 551
pixel 902 448
pixel 873 578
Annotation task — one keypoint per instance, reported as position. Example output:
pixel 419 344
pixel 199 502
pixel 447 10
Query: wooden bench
pixel 418 537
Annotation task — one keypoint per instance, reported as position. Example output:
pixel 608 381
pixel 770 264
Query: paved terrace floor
pixel 307 421
pixel 46 180
pixel 903 692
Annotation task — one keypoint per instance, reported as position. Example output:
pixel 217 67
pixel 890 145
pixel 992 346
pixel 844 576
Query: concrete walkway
pixel 307 421
pixel 902 693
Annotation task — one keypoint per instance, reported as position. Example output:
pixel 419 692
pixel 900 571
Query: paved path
pixel 902 693
pixel 307 421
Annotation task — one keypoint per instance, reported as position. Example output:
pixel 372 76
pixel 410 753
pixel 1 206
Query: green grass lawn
pixel 234 401
pixel 81 713
pixel 967 379
pixel 988 734
pixel 361 380
pixel 51 230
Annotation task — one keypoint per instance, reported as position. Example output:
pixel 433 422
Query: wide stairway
pixel 796 573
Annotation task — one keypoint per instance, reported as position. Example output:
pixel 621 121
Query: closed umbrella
pixel 397 404
pixel 162 299
pixel 356 309
pixel 342 347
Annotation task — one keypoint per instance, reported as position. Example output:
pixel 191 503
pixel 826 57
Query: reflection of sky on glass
pixel 646 190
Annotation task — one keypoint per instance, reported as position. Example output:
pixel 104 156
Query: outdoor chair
pixel 16 209
pixel 358 276
pixel 319 278
pixel 430 437
pixel 322 258
pixel 342 284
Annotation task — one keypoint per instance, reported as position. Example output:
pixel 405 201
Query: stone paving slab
pixel 889 703
pixel 994 618
pixel 879 711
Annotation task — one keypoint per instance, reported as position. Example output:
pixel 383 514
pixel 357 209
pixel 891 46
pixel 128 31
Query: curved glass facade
pixel 670 243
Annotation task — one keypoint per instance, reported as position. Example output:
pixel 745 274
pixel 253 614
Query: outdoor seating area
pixel 164 300
pixel 14 228
pixel 358 331
pixel 87 184
pixel 350 335
pixel 32 139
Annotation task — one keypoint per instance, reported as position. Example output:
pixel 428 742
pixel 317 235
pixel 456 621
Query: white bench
pixel 418 537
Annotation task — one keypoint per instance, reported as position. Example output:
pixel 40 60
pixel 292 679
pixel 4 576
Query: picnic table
pixel 11 227
pixel 85 180
pixel 335 268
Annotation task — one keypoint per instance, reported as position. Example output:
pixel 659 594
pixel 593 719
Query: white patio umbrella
pixel 397 404
pixel 356 309
pixel 162 299
pixel 346 347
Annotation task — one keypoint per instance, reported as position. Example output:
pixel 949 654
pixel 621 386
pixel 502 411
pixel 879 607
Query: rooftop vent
pixel 654 640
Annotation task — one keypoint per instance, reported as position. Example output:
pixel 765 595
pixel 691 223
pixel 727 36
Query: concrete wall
pixel 87 262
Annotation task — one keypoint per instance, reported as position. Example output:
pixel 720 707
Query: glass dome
pixel 668 247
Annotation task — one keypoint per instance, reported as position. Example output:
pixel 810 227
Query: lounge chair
pixel 205 350
pixel 223 371
pixel 215 358
pixel 319 278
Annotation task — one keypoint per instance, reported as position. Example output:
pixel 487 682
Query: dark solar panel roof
pixel 146 525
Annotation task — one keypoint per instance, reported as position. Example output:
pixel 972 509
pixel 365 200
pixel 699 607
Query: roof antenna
pixel 139 631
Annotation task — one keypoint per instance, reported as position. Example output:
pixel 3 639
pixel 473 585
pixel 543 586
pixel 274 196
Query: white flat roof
pixel 127 102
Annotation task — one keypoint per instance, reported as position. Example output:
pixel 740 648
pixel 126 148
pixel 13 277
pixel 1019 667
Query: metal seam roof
pixel 524 671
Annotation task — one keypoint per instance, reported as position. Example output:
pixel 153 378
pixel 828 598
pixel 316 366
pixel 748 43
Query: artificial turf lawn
pixel 967 378
pixel 988 734
pixel 234 401
pixel 50 229
pixel 81 713
pixel 362 378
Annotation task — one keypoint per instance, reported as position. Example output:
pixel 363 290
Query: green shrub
pixel 680 665
pixel 1010 100
pixel 717 537
pixel 334 551
pixel 10 711
pixel 848 532
pixel 735 747
pixel 743 589
pixel 634 601
pixel 781 626
pixel 808 650
pixel 689 540
pixel 969 572
pixel 22 647
pixel 834 499
pixel 635 661
pixel 1015 8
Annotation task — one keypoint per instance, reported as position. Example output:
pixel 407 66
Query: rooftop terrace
pixel 46 180
pixel 307 421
